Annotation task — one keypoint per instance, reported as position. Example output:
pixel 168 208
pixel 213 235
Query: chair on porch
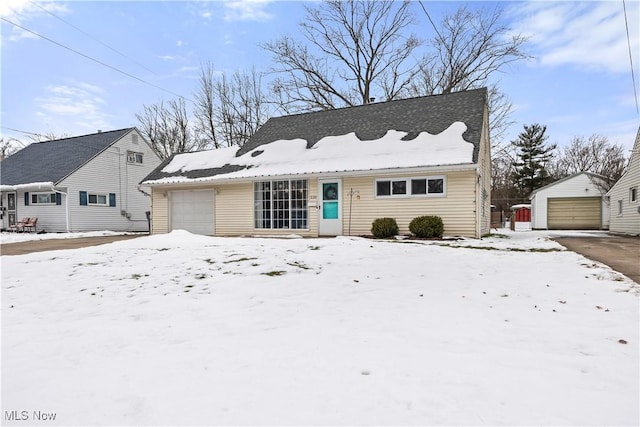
pixel 30 225
pixel 19 226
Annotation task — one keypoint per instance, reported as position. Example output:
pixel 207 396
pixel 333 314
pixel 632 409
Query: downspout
pixel 478 203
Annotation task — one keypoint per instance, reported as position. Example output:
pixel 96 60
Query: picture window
pixel 281 204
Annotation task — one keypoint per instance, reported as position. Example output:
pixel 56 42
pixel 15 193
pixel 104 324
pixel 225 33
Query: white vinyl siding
pixel 483 195
pixel 51 217
pixel 109 172
pixel 627 220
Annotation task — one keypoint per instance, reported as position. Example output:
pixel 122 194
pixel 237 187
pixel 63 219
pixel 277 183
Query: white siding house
pixel 624 197
pixel 574 202
pixel 84 183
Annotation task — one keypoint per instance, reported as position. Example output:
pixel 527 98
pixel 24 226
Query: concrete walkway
pixel 621 253
pixel 21 248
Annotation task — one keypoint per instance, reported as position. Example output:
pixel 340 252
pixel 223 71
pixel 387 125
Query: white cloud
pixel 206 14
pixel 246 10
pixel 180 43
pixel 77 106
pixel 167 57
pixel 590 34
pixel 21 12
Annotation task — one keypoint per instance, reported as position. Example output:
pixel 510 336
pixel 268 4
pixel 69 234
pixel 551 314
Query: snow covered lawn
pixel 181 329
pixel 10 237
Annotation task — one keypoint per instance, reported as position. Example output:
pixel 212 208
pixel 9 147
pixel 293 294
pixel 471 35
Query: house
pixel 574 202
pixel 84 183
pixel 624 195
pixel 334 172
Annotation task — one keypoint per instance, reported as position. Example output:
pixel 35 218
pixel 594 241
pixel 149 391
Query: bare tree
pixel 595 154
pixel 47 136
pixel 205 105
pixel 166 126
pixel 8 146
pixel 352 48
pixel 468 47
pixel 242 107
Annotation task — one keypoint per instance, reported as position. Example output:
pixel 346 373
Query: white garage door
pixel 192 211
pixel 578 213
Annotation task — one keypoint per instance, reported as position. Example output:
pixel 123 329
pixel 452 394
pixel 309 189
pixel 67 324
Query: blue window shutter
pixel 58 199
pixel 112 199
pixel 26 198
pixel 83 198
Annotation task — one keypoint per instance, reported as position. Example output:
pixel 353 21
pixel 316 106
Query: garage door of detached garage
pixel 193 211
pixel 574 213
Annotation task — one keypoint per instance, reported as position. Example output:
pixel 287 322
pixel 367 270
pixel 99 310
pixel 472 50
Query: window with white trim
pixel 619 207
pixel 134 157
pixel 43 198
pixel 633 194
pixel 97 199
pixel 281 204
pixel 430 186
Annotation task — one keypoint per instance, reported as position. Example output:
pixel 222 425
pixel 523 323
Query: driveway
pixel 57 244
pixel 621 253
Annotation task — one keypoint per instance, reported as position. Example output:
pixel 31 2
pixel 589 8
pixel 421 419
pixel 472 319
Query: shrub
pixel 427 226
pixel 384 227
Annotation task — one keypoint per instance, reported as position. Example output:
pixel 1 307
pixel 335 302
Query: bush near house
pixel 427 226
pixel 383 228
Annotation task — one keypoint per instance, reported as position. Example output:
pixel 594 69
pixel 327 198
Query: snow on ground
pixel 10 237
pixel 180 329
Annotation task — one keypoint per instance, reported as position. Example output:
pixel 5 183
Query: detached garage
pixel 572 203
pixel 193 211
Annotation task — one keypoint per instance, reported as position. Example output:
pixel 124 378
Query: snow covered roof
pixel 429 131
pixel 31 186
pixel 52 161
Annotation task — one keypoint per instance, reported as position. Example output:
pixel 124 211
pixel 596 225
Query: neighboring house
pixel 624 196
pixel 575 202
pixel 84 183
pixel 334 172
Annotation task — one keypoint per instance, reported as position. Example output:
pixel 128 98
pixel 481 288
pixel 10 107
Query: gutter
pixel 183 181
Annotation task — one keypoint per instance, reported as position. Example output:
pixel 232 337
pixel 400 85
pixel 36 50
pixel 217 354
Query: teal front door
pixel 330 207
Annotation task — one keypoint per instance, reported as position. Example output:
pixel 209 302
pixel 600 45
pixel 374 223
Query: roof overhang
pixel 31 186
pixel 219 180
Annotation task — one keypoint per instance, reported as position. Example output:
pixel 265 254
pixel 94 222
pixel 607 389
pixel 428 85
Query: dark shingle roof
pixel 432 114
pixel 51 161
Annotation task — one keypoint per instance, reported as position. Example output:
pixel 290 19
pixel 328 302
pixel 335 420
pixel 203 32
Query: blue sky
pixel 578 83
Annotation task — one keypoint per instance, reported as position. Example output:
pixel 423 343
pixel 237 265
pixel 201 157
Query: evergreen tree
pixel 533 156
